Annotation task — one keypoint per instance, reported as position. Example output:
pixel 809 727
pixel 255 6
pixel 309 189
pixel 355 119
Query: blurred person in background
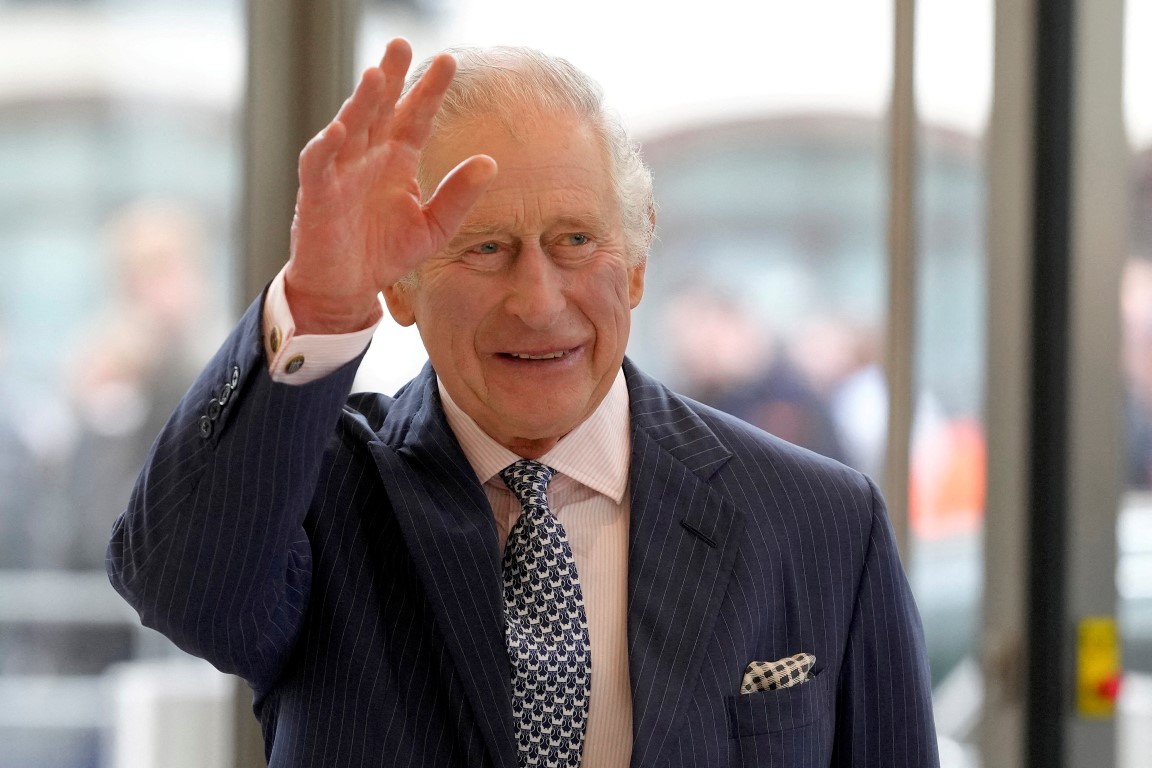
pixel 1136 315
pixel 1136 326
pixel 22 474
pixel 729 360
pixel 842 357
pixel 31 465
pixel 534 553
pixel 133 364
pixel 125 374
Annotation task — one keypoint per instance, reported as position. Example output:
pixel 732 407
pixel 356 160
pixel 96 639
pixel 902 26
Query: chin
pixel 550 428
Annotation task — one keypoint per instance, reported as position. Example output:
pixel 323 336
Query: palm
pixel 360 223
pixel 371 213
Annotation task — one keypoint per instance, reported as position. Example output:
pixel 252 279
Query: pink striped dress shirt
pixel 589 496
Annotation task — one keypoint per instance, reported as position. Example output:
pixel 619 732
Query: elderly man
pixel 533 554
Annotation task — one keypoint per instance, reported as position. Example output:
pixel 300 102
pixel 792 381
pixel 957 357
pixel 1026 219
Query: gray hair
pixel 489 81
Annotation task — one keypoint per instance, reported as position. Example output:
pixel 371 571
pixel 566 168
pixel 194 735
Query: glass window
pixel 1134 528
pixel 947 467
pixel 117 216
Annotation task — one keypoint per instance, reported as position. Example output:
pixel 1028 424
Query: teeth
pixel 549 356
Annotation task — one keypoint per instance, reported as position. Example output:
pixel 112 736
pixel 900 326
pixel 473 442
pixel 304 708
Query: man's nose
pixel 536 288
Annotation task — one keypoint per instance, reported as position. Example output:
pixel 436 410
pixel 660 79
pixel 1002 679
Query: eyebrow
pixel 591 221
pixel 469 233
pixel 475 230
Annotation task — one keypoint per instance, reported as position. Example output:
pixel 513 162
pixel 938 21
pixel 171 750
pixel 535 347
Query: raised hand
pixel 360 224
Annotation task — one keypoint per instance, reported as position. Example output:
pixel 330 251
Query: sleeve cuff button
pixel 295 364
pixel 205 427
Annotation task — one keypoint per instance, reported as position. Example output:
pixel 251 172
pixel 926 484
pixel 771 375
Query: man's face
pixel 525 315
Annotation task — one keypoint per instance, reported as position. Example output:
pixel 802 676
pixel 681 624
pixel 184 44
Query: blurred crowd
pixel 823 387
pixel 124 371
pixel 1136 317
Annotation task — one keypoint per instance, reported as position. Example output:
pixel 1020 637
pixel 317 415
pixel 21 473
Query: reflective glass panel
pixel 1134 528
pixel 118 183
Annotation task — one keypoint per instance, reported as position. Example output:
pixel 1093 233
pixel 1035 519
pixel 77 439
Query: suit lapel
pixel 448 527
pixel 683 542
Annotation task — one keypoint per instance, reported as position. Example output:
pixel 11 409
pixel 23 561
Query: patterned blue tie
pixel 545 627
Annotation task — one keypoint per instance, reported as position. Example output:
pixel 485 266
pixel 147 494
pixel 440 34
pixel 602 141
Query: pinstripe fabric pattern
pixel 341 556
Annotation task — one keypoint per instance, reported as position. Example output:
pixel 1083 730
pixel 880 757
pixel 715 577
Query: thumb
pixel 456 195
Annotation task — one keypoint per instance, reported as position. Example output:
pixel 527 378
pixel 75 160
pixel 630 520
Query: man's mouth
pixel 545 356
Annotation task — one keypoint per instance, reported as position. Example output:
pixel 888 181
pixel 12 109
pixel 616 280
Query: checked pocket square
pixel 772 675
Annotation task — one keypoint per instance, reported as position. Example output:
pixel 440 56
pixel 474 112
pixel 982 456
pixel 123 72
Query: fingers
pixel 360 109
pixel 319 153
pixel 375 96
pixel 375 111
pixel 458 192
pixel 397 59
pixel 414 115
pixel 378 89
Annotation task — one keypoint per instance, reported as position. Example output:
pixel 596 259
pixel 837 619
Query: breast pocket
pixel 786 727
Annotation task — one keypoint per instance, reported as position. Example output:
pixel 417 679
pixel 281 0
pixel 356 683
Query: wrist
pixel 326 314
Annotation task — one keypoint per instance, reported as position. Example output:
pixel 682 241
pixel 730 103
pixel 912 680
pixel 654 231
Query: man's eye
pixel 487 255
pixel 577 239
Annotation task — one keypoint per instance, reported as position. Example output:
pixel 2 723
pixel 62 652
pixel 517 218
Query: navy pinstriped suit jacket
pixel 340 555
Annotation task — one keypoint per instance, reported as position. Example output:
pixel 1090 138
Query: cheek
pixel 609 302
pixel 455 321
pixel 442 300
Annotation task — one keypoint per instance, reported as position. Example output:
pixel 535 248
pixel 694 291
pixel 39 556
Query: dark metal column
pixel 1048 509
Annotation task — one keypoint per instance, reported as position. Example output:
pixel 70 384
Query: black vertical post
pixel 1049 675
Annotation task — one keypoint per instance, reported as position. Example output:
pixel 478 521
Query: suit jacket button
pixel 213 409
pixel 295 364
pixel 205 427
pixel 225 394
pixel 235 376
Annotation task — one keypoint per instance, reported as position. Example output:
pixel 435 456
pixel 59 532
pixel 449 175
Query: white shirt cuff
pixel 296 359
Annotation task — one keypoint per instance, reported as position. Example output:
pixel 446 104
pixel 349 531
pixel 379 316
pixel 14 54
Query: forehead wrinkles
pixel 447 133
pixel 518 213
pixel 533 135
pixel 561 176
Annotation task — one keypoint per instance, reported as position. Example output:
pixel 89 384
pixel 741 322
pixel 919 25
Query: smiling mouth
pixel 546 356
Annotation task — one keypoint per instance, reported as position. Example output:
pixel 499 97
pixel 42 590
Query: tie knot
pixel 528 479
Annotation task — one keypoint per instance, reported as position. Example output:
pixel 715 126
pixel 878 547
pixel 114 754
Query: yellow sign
pixel 1098 669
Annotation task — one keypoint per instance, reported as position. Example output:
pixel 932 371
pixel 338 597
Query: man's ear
pixel 399 302
pixel 636 272
pixel 636 283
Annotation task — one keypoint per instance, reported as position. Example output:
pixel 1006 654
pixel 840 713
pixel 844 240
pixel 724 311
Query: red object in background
pixel 1110 689
pixel 947 481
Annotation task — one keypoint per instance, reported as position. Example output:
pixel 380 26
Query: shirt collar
pixel 595 453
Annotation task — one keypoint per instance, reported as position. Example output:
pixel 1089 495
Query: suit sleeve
pixel 211 550
pixel 884 710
